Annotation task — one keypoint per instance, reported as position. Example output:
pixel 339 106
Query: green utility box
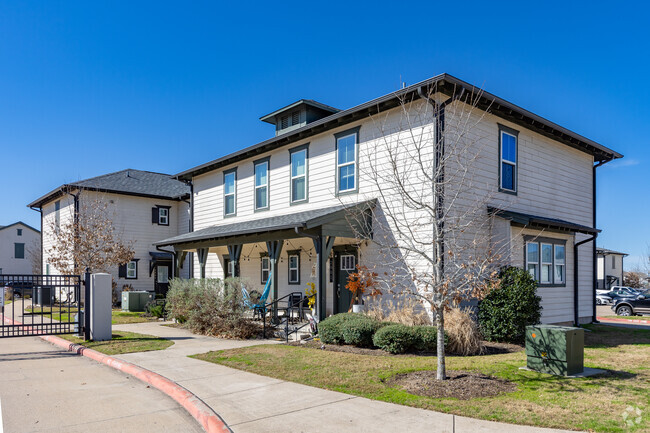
pixel 136 301
pixel 555 350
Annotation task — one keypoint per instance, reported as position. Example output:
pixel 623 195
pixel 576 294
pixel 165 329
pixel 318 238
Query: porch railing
pixel 274 307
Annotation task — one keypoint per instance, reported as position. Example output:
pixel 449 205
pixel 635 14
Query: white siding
pixel 31 239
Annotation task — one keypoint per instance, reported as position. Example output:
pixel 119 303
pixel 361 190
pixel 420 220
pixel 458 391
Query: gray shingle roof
pixel 307 219
pixel 129 181
pixel 605 251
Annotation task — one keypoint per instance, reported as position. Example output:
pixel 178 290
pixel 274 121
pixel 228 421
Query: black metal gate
pixel 40 305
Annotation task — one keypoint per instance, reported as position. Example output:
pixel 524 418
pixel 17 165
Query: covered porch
pixel 316 246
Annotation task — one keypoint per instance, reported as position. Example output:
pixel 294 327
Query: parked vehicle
pixel 625 289
pixel 633 306
pixel 603 299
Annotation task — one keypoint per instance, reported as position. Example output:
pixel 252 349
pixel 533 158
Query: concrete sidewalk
pixel 252 403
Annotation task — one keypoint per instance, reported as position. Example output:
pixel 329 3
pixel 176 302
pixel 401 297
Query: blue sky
pixel 88 88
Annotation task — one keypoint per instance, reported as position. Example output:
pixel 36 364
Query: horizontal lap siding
pixel 66 215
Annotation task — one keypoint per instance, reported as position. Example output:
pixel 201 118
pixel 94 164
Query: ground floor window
pixel 294 267
pixel 265 268
pixel 546 260
pixel 132 270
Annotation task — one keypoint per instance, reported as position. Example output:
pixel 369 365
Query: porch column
pixel 323 246
pixel 234 253
pixel 180 259
pixel 274 248
pixel 203 259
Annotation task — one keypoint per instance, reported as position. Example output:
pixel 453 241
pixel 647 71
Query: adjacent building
pixel 610 268
pixel 20 246
pixel 144 207
pixel 281 208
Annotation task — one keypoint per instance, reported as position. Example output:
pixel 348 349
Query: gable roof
pixel 605 251
pixel 19 223
pixel 445 83
pixel 128 182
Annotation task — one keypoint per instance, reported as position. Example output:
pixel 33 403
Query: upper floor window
pixel 299 157
pixel 346 160
pixel 160 215
pixel 613 262
pixel 230 193
pixel 546 261
pixel 19 232
pixel 508 159
pixel 57 214
pixel 19 251
pixel 262 185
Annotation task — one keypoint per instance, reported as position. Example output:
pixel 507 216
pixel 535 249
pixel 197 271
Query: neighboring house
pixel 18 242
pixel 610 268
pixel 144 206
pixel 282 205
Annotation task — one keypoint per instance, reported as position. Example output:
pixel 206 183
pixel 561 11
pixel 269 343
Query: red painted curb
pixel 616 319
pixel 201 412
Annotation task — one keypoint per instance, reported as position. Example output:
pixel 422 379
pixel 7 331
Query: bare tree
pixel 431 226
pixel 88 240
pixel 33 251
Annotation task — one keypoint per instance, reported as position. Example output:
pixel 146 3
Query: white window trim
pixel 163 220
pixel 353 163
pixel 266 269
pixel 512 163
pixel 298 176
pixel 234 193
pixel 345 258
pixel 266 185
pixel 528 262
pixel 135 270
pixel 563 264
pixel 542 263
pixel 296 268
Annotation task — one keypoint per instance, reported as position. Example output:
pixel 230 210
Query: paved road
pixel 45 389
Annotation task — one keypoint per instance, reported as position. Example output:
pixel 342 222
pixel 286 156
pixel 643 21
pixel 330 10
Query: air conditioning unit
pixel 136 300
pixel 557 350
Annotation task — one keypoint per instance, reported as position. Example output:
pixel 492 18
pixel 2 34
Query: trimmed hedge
pixel 426 338
pixel 359 331
pixel 506 310
pixel 330 330
pixel 395 338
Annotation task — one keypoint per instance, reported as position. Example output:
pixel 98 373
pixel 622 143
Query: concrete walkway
pixel 252 403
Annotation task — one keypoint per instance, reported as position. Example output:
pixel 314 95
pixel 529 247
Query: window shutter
pixel 122 271
pixel 295 118
pixel 284 122
pixel 154 215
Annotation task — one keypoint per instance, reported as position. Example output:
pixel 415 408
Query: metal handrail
pixel 289 307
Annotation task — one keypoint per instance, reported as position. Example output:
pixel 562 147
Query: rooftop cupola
pixel 297 115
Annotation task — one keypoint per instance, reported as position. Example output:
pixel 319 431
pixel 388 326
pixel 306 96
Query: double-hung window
pixel 230 193
pixel 132 270
pixel 299 157
pixel 262 184
pixel 508 159
pixel 346 160
pixel 546 261
pixel 294 267
pixel 265 265
pixel 163 216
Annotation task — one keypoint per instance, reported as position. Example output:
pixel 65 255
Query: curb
pixel 616 319
pixel 201 412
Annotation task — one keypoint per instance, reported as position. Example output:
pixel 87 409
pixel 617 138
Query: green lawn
pixel 595 403
pixel 120 317
pixel 124 342
pixel 63 314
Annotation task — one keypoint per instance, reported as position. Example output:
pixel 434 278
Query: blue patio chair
pixel 258 307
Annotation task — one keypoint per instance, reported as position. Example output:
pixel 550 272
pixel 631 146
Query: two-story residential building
pixel 18 242
pixel 143 207
pixel 610 270
pixel 282 207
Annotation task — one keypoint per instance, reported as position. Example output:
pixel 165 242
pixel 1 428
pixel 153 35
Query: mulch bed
pixel 463 385
pixel 489 348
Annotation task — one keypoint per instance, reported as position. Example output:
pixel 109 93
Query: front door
pixel 345 262
pixel 161 284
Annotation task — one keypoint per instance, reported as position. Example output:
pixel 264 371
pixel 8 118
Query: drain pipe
pixel 595 261
pixel 576 321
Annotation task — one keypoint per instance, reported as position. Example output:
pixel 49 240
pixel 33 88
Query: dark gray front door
pixel 345 262
pixel 162 274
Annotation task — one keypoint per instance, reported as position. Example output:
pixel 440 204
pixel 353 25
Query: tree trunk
pixel 441 374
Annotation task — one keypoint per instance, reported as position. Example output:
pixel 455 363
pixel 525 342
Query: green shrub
pixel 395 338
pixel 358 331
pixel 156 311
pixel 509 307
pixel 210 306
pixel 330 330
pixel 425 338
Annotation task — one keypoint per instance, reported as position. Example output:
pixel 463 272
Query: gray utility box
pixel 136 301
pixel 557 350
